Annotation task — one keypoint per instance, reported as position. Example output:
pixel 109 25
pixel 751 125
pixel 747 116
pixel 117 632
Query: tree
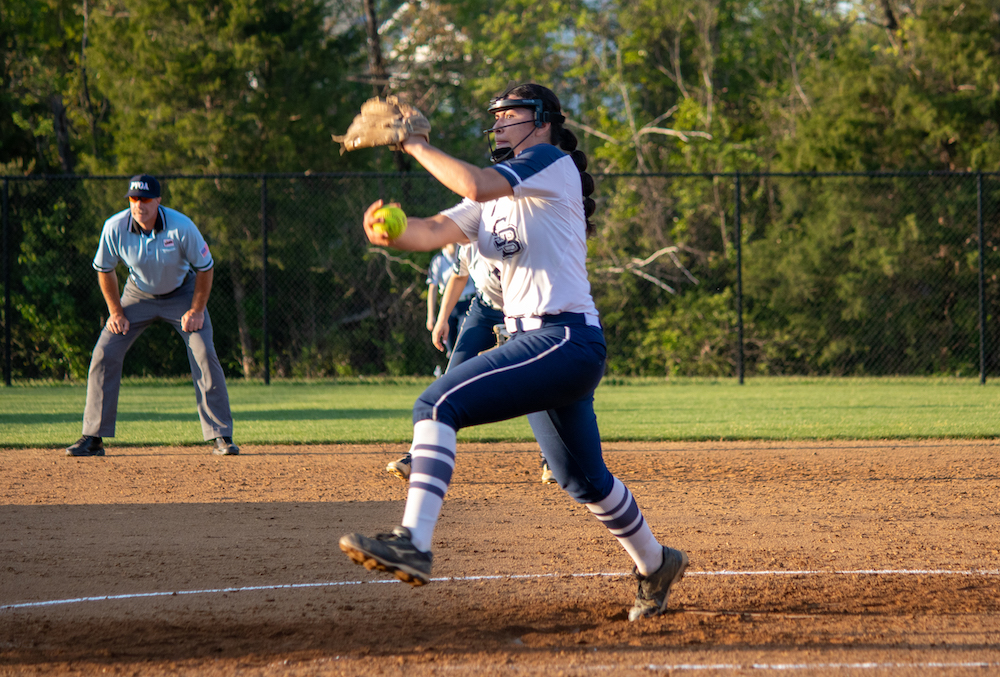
pixel 921 96
pixel 53 114
pixel 244 85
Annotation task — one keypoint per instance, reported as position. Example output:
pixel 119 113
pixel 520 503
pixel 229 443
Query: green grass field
pixel 163 413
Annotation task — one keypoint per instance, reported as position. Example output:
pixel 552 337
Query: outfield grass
pixel 163 413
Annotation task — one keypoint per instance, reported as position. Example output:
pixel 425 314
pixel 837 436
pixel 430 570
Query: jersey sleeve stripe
pixel 506 172
pixel 533 161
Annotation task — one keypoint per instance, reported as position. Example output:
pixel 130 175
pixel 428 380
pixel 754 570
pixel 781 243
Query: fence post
pixel 739 282
pixel 263 277
pixel 6 287
pixel 982 279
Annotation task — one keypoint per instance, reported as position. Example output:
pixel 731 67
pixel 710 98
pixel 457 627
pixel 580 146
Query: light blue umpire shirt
pixel 157 262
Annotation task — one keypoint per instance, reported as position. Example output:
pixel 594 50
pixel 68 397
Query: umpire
pixel 170 279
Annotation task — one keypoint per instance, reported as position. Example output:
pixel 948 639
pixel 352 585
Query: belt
pixel 532 322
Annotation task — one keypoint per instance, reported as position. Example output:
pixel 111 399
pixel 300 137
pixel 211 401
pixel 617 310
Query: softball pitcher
pixel 529 217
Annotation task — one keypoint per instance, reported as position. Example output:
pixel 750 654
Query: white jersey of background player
pixel 485 276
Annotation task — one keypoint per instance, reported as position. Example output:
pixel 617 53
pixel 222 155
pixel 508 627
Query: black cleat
pixel 88 445
pixel 224 447
pixel 394 553
pixel 654 589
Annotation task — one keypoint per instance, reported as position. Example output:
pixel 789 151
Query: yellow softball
pixel 394 221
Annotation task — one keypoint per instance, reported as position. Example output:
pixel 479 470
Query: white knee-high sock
pixel 433 453
pixel 621 515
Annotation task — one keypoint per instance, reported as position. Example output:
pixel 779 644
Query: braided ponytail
pixel 567 141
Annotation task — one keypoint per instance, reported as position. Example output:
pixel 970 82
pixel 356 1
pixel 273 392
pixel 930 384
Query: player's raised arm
pixel 469 181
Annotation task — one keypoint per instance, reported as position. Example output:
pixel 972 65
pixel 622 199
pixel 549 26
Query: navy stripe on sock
pixel 638 526
pixel 433 447
pixel 429 488
pixel 626 497
pixel 431 466
pixel 625 519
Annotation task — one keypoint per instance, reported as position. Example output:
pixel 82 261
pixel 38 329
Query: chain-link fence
pixel 701 275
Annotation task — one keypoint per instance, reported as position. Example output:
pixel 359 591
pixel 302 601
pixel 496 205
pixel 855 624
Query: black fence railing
pixel 722 275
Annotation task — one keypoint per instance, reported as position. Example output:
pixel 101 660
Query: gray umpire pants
pixel 141 310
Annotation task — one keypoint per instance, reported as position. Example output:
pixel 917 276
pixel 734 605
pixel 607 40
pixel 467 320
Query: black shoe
pixel 654 589
pixel 88 445
pixel 224 447
pixel 393 552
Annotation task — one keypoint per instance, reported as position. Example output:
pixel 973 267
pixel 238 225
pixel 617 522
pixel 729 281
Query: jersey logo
pixel 168 243
pixel 505 242
pixel 504 239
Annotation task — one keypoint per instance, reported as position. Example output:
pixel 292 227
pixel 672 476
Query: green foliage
pixel 692 337
pixel 54 280
pixel 873 276
pixel 41 81
pixel 868 276
pixel 924 96
pixel 243 85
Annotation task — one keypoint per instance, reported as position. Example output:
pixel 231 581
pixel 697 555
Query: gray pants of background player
pixel 143 309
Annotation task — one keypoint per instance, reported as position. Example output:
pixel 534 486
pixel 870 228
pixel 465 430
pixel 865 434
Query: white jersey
pixel 537 239
pixel 442 268
pixel 483 273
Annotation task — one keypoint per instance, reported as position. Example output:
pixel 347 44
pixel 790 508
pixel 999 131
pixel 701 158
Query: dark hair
pixel 561 137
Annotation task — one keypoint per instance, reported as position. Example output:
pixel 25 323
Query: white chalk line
pixel 497 577
pixel 548 668
pixel 738 667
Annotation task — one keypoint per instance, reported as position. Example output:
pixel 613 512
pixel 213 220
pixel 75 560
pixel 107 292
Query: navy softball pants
pixel 475 333
pixel 455 322
pixel 554 370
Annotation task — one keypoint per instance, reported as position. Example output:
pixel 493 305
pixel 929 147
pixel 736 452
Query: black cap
pixel 143 185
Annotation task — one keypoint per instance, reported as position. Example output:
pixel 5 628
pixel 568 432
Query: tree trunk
pixel 375 66
pixel 61 128
pixel 246 342
pixel 890 18
pixel 376 69
pixel 88 105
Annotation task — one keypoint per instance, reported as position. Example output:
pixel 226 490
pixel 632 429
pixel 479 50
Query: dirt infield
pixel 811 558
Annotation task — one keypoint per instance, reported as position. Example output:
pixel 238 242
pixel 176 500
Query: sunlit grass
pixel 379 411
